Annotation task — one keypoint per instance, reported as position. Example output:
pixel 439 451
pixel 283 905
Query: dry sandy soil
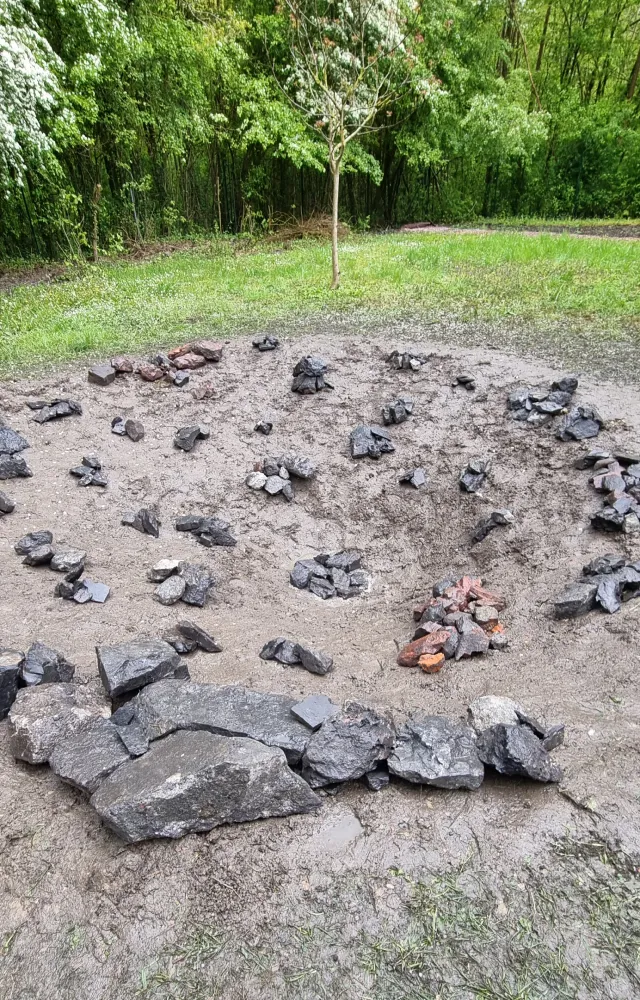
pixel 84 916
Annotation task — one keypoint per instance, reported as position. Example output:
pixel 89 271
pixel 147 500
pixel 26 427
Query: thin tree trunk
pixel 97 191
pixel 543 39
pixel 335 172
pixel 633 82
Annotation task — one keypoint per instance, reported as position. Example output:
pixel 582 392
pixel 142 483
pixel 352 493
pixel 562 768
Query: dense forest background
pixel 145 119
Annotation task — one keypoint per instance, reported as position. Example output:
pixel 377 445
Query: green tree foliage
pixel 159 118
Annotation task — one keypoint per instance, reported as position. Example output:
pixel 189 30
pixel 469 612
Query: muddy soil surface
pixel 81 914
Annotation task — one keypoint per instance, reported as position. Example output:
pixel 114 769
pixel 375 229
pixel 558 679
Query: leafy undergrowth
pixel 492 276
pixel 570 930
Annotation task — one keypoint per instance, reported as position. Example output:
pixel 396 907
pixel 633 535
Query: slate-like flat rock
pixel 131 665
pixel 40 716
pixel 433 750
pixel 191 782
pixel 85 757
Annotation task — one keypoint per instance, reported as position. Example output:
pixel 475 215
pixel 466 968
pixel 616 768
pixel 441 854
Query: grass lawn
pixel 492 276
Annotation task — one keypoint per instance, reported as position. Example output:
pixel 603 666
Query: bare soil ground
pixel 333 904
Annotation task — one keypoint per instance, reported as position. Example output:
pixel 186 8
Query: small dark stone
pixel 264 427
pixel 301 573
pixel 118 426
pixel 315 662
pixel 14 467
pixel 144 521
pixel 603 564
pixel 11 661
pixel 568 384
pixel 487 524
pixel 265 343
pixel 472 640
pixel 170 591
pixel 415 477
pixel 180 644
pixel 39 556
pixel 214 531
pixel 56 409
pixel 580 423
pixel 68 589
pixel 589 459
pixel 576 600
pixel 472 478
pixel 314 710
pixel 195 633
pixel 608 519
pixel 134 429
pixel 198 582
pixel 346 746
pixel 43 665
pixel 11 442
pixel 442 585
pixel 102 374
pixel 190 522
pixel 180 378
pixel 516 750
pixel 7 505
pixel 377 779
pixel 186 437
pixel 321 587
pixel 398 411
pixel 372 441
pixel 608 594
pixel 68 561
pixel 311 366
pixel 122 365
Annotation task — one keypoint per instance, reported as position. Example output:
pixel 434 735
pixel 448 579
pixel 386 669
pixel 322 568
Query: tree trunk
pixel 633 82
pixel 335 173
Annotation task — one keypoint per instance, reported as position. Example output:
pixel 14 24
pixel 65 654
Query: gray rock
pixel 322 588
pixel 118 426
pixel 11 442
pixel 415 477
pixel 265 343
pixel 85 757
pixel 347 746
pixel 98 592
pixel 472 640
pixel 195 633
pixel 298 465
pixel 14 467
pixel 212 531
pixel 40 716
pixel 194 781
pixel 68 560
pixel 302 572
pixel 7 505
pixel 492 710
pixel 186 437
pixel 273 485
pixel 179 643
pixel 162 569
pixel 43 665
pixel 180 379
pixel 103 374
pixel 608 594
pixel 287 492
pixel 32 541
pixel 144 521
pixel 580 423
pixel 498 641
pixel 170 591
pixel 198 582
pixel 589 459
pixel 550 736
pixel 11 661
pixel 407 360
pixel 377 779
pixel 315 662
pixel 608 519
pixel 314 710
pixel 134 739
pixel 432 750
pixel 263 427
pixel 498 517
pixel 134 429
pixel 369 441
pixel 602 565
pixel 38 556
pixel 472 478
pixel 234 711
pixel 256 480
pixel 576 600
pixel 398 411
pixel 347 560
pixel 516 750
pixel 56 409
pixel 281 649
pixel 568 383
pixel 131 665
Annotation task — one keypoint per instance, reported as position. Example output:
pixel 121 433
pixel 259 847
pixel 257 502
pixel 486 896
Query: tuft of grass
pixel 496 275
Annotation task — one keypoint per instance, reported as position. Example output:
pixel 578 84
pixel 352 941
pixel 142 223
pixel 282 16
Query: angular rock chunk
pixel 144 521
pixel 608 594
pixel 487 524
pixel 192 782
pixel 189 361
pixel 256 480
pixel 280 649
pixel 576 600
pixel 580 423
pixel 516 750
pixel 170 590
pixel 372 441
pixel 297 465
pixel 211 350
pixel 39 556
pixel 432 750
pixel 40 716
pixel 131 665
pixel 102 374
pixel 198 582
pixel 491 710
pixel 122 365
pixel 407 360
pixel 7 505
pixel 14 467
pixel 314 710
pixel 602 565
pixel 398 411
pixel 11 661
pixel 85 757
pixel 472 478
pixel 568 383
pixel 267 342
pixel 186 437
pixel 473 639
pixel 150 373
pixel 56 409
pixel 347 746
pixel 301 573
pixel 198 635
pixel 233 711
pixel 316 662
pixel 608 519
pixel 134 429
pixel 134 738
pixel 347 560
pixel 118 426
pixel 179 643
pixel 263 427
pixel 162 569
pixel 415 477
pixel 322 588
pixel 43 665
pixel 11 441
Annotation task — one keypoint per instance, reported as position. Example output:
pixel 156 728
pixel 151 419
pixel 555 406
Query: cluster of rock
pixel 173 366
pixel 130 428
pixel 37 549
pixel 371 441
pixel 189 637
pixel 207 531
pixel 537 406
pixel 337 575
pixel 607 582
pixel 414 477
pixel 180 757
pixel 497 518
pixel 461 618
pixel 473 476
pixel 407 360
pixel 89 472
pixel 309 376
pixel 180 581
pixel 145 521
pixel 12 464
pixel 39 665
pixel 186 437
pixel 398 411
pixel 265 342
pixel 54 410
pixel 617 476
pixel 466 380
pixel 293 653
pixel 273 475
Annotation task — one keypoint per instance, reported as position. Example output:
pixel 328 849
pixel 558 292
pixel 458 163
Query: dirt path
pixel 81 914
pixel 611 232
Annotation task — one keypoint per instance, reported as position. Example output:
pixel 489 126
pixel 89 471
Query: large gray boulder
pixel 347 746
pixel 85 757
pixel 233 711
pixel 191 782
pixel 516 750
pixel 131 665
pixel 41 716
pixel 432 750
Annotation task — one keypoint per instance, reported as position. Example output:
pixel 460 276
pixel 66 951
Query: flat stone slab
pixel 86 756
pixel 43 715
pixel 233 711
pixel 432 750
pixel 347 746
pixel 191 782
pixel 131 665
pixel 315 710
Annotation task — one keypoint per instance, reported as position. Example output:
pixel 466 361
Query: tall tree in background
pixel 350 61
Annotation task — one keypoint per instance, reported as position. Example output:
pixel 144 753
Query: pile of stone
pixel 398 411
pixel 461 618
pixel 265 342
pixel 293 653
pixel 607 581
pixel 89 472
pixel 370 441
pixel 180 757
pixel 37 549
pixel 309 376
pixel 407 360
pixel 186 437
pixel 12 464
pixel 39 665
pixel 173 366
pixel 536 405
pixel 54 410
pixel 338 575
pixel 497 518
pixel 144 521
pixel 473 476
pixel 273 475
pixel 207 531
pixel 133 429
pixel 180 581
pixel 617 476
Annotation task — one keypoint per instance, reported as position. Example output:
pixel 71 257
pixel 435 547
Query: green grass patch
pixel 493 276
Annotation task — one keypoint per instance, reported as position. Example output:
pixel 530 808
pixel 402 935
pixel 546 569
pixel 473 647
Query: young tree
pixel 350 61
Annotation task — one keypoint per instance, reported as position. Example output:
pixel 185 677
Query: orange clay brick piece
pixel 431 664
